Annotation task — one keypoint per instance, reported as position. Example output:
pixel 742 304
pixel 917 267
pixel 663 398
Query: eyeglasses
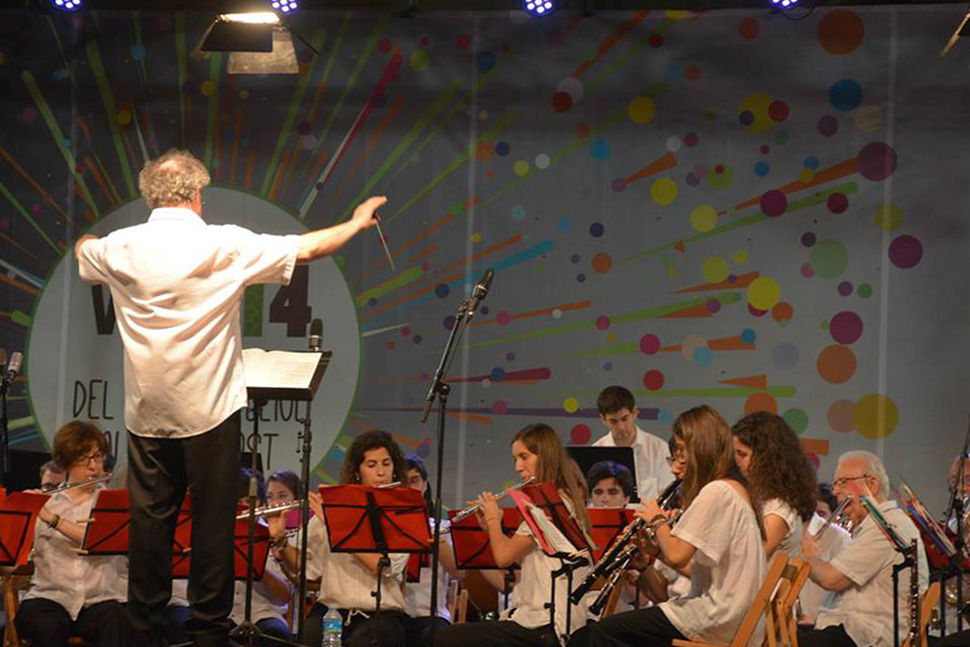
pixel 97 457
pixel 844 481
pixel 676 457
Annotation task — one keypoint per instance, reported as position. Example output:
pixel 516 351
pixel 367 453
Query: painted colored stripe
pixel 111 112
pixel 15 203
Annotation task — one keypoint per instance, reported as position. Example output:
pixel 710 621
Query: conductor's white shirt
pixel 177 285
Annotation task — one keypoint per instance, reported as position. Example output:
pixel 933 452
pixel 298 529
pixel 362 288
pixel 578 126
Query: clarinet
pixel 915 637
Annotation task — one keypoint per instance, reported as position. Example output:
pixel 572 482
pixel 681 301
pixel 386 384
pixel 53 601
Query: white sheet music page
pixel 279 369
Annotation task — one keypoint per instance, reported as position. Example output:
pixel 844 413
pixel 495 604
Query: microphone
pixel 481 290
pixel 13 367
pixel 316 334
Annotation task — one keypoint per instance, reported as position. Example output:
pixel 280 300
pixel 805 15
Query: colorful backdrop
pixel 733 207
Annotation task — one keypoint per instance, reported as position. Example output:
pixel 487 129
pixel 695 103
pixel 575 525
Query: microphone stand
pixel 955 567
pixel 4 427
pixel 440 389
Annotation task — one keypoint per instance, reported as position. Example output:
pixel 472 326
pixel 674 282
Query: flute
pixel 475 507
pixel 64 487
pixel 283 507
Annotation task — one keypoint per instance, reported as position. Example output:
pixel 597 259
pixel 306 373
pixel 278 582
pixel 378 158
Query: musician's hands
pixel 276 523
pixel 365 215
pixel 649 511
pixel 316 504
pixel 489 511
pixel 810 547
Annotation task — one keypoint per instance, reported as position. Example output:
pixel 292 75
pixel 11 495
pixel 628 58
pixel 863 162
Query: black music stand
pixel 362 519
pixel 282 375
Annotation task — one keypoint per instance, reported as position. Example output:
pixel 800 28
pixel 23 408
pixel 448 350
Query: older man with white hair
pixel 860 614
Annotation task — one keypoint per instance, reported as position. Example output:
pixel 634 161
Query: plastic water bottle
pixel 333 628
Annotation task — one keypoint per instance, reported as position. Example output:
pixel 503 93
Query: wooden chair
pixel 782 624
pixel 929 601
pixel 760 606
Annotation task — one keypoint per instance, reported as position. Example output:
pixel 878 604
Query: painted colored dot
pixel 389 345
pixel 503 317
pixel 875 416
pixel 845 288
pixel 580 435
pixel 419 60
pixel 846 327
pixel 244 94
pixel 497 374
pixel 485 61
pixel 518 212
pixel 839 416
pixel 715 269
pixel 674 144
pixel 837 202
pixel 905 251
pixel 602 322
pixel 416 339
pixel 785 355
pixel 713 306
pixel 596 229
pixel 703 356
pixel 692 73
pixel 208 88
pixel 749 336
pixel 618 184
pixel 384 45
pixel 877 161
pixel 740 256
pixel 500 407
pixel 441 290
pixel 557 313
pixel 502 149
pixel 641 110
pixel 864 291
pixel 562 102
pixel 655 41
pixel 888 217
pixel 464 42
pixel 703 218
pixel 797 419
pixel 763 293
pixel 653 380
pixel 746 118
pixel 574 258
pixel 510 357
pixel 124 117
pixel 449 322
pixel 649 344
pixel 520 168
pixel 663 191
pixel 748 29
pixel 582 131
pixel 778 110
pixel 581 278
pixel 828 125
pixel 773 203
pixel 782 312
pixel 600 150
pixel 809 239
pixel 542 161
pixel 607 366
pixel 840 32
pixel 828 259
pixel 692 180
pixel 836 364
pixel 760 402
pixel 602 263
pixel 570 405
pixel 761 169
pixel 691 140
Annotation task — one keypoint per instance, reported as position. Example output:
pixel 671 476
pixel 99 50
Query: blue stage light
pixel 66 5
pixel 285 6
pixel 538 7
pixel 784 4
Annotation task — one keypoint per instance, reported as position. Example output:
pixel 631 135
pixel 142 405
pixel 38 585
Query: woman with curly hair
pixel 768 453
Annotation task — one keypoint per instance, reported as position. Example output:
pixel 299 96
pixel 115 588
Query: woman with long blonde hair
pixel 538 453
pixel 718 538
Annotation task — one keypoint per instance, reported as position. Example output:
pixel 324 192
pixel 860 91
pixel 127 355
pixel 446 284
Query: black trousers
pixel 641 628
pixel 418 630
pixel 828 637
pixel 956 639
pixel 46 623
pixel 159 472
pixel 495 633
pixel 384 629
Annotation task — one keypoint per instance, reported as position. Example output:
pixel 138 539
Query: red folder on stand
pixel 18 516
pixel 472 549
pixel 362 519
pixel 606 524
pixel 547 499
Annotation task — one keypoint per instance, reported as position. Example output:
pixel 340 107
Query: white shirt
pixel 727 568
pixel 792 542
pixel 61 575
pixel 263 608
pixel 345 583
pixel 678 584
pixel 833 542
pixel 177 284
pixel 417 595
pixel 865 609
pixel 532 592
pixel 650 455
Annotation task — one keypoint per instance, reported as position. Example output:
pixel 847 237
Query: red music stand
pixel 362 519
pixel 18 516
pixel 473 550
pixel 606 524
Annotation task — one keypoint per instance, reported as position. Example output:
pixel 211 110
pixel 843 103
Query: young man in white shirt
pixel 861 614
pixel 618 411
pixel 177 285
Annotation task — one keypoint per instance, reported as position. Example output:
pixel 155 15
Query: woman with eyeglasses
pixel 719 535
pixel 769 455
pixel 70 594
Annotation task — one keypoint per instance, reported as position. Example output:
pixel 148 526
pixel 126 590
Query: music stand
pixel 18 516
pixel 278 375
pixel 362 519
pixel 606 525
pixel 473 550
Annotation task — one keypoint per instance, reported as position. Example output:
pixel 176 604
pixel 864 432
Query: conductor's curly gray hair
pixel 172 179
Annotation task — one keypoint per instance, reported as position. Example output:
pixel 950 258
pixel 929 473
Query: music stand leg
pixel 382 563
pixel 305 449
pixel 4 436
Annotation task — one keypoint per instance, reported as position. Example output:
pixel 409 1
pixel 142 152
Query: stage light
pixel 784 4
pixel 538 7
pixel 66 5
pixel 285 7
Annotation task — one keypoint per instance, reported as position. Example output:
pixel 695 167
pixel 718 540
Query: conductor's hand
pixel 365 215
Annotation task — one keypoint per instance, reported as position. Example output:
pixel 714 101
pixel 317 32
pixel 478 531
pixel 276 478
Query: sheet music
pixel 279 368
pixel 554 537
